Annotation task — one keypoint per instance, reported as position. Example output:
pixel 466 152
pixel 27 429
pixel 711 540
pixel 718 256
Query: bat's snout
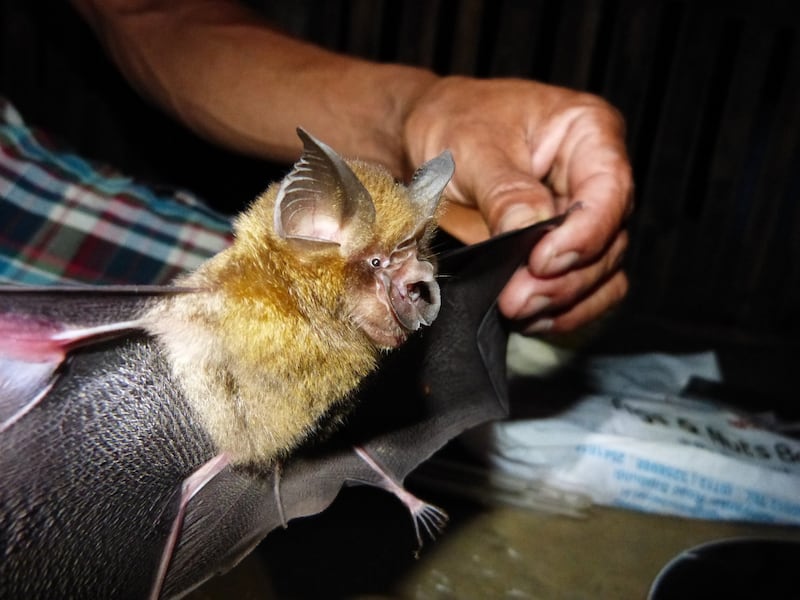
pixel 414 295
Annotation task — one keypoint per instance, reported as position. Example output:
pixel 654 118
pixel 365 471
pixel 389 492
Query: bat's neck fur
pixel 267 351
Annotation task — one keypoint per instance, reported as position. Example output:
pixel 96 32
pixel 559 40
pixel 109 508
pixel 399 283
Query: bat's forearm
pixel 225 73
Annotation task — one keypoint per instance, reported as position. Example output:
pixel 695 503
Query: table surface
pixel 363 547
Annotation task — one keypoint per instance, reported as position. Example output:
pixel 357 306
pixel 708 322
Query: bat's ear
pixel 321 199
pixel 429 181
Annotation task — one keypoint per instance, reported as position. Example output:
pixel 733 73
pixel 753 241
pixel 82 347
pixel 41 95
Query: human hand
pixel 526 151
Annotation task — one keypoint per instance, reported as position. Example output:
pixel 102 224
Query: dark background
pixel 710 91
pixel 711 94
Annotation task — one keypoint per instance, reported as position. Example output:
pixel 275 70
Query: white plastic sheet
pixel 635 443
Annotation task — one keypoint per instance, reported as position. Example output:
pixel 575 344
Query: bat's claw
pixel 430 518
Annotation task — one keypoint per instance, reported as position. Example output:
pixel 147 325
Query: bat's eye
pixel 375 262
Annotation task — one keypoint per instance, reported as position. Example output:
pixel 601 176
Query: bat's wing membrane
pixel 39 326
pixel 22 385
pixel 442 382
pixel 453 376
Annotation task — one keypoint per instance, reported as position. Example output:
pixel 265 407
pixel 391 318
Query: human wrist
pixel 383 96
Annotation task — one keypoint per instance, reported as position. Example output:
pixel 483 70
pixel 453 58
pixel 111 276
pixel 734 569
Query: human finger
pixel 526 295
pixel 593 172
pixel 604 298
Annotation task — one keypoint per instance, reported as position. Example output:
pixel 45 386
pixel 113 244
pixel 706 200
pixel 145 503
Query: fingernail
pixel 534 305
pixel 518 216
pixel 540 326
pixel 561 263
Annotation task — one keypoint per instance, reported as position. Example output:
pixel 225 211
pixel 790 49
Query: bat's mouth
pixel 387 335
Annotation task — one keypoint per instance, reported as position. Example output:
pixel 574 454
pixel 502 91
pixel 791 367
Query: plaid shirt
pixel 63 219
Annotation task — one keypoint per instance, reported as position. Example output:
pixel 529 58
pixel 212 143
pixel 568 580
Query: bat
pixel 152 436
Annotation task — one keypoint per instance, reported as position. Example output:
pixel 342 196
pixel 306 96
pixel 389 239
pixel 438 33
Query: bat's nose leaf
pixel 416 304
pixel 429 301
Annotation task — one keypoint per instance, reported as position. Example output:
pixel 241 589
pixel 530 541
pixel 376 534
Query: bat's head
pixel 378 230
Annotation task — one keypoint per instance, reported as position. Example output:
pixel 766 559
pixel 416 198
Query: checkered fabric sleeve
pixel 63 219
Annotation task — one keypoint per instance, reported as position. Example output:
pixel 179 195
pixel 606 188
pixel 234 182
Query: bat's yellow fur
pixel 272 340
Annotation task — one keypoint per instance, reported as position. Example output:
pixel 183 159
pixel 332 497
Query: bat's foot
pixel 427 517
pixel 430 517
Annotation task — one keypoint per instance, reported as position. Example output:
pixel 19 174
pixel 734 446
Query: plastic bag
pixel 637 444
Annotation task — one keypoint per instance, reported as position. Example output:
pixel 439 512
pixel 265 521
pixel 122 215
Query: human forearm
pixel 226 74
pixel 524 150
